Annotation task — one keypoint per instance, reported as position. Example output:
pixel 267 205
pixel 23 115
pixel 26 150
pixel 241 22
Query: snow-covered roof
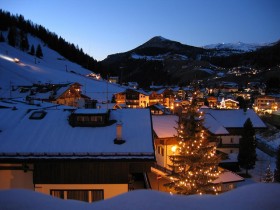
pixel 227 177
pixel 214 126
pixel 91 111
pixel 165 125
pixel 21 103
pixel 53 136
pixel 234 118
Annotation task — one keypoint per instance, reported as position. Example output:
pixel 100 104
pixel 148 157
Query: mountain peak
pixel 159 39
pixel 160 42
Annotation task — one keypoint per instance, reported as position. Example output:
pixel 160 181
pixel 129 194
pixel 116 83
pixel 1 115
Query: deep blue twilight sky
pixel 103 27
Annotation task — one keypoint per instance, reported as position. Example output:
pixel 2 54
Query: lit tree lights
pixel 195 163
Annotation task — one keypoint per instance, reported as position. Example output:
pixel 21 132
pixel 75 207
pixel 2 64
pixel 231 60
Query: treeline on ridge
pixel 58 44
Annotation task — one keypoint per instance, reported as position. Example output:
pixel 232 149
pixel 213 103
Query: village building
pixel 155 97
pixel 158 109
pixel 265 103
pixel 228 104
pixel 114 79
pixel 82 154
pixel 165 139
pixel 68 94
pixel 226 133
pixel 166 143
pixel 133 98
pixel 168 97
pixel 212 101
pixel 227 126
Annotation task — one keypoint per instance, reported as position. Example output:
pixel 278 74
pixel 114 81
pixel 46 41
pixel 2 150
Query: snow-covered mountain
pixel 52 68
pixel 238 47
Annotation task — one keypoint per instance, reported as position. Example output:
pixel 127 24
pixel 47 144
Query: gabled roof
pixel 53 137
pixel 229 99
pixel 233 118
pixel 138 91
pixel 214 126
pixel 165 125
pixel 161 91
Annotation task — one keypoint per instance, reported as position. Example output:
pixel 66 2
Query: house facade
pixel 82 154
pixel 265 103
pixel 165 139
pixel 155 98
pixel 212 101
pixel 228 104
pixel 133 98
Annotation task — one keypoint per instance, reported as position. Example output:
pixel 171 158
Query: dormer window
pixel 90 118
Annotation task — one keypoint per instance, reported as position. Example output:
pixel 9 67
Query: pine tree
pixel 12 36
pixel 195 165
pixel 24 44
pixel 2 39
pixel 32 50
pixel 247 147
pixel 277 169
pixel 268 176
pixel 39 52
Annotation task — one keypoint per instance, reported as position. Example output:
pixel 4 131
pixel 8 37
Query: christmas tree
pixel 268 176
pixel 195 163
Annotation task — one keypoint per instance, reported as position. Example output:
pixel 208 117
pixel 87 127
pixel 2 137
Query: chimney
pixel 119 130
pixel 119 139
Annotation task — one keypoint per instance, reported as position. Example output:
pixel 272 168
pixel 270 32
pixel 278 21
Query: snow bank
pixel 250 197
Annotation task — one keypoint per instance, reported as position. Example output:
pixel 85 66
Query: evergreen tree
pixel 247 147
pixel 277 169
pixel 242 102
pixel 12 36
pixel 32 50
pixel 39 52
pixel 268 176
pixel 24 44
pixel 195 163
pixel 2 39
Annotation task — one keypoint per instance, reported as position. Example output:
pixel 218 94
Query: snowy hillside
pixel 252 197
pixel 52 68
pixel 239 46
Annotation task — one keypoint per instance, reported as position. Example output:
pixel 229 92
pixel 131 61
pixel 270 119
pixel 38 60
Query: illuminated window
pixel 81 195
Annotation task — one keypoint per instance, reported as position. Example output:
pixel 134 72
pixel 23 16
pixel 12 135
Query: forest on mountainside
pixel 20 27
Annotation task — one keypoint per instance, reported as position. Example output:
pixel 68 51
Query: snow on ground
pixel 259 196
pixel 52 68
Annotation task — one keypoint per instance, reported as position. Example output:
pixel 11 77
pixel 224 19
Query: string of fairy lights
pixel 195 160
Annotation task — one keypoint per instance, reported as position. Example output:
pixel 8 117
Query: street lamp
pixel 173 149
